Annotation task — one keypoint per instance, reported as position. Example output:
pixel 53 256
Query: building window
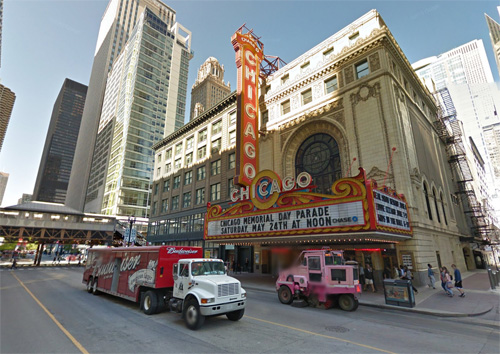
pixel 230 186
pixel 164 205
pixel 177 182
pixel 284 79
pixel 307 97
pixel 264 118
pixel 427 202
pixel 327 53
pixel 331 84
pixel 175 202
pixel 186 200
pixel 442 206
pixel 304 66
pixel 436 204
pixel 201 173
pixel 168 167
pixel 158 171
pixel 189 142
pixel 232 118
pixel 154 208
pixel 319 156
pixel 231 160
pixel 177 164
pixel 232 137
pixel 362 69
pixel 200 196
pixel 216 145
pixel 215 168
pixel 202 152
pixel 166 185
pixel 188 178
pixel 217 127
pixel 189 158
pixel 156 188
pixel 285 107
pixel 158 159
pixel 202 135
pixel 168 154
pixel 215 192
pixel 178 149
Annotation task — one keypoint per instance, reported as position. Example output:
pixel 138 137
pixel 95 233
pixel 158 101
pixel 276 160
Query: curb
pixel 397 308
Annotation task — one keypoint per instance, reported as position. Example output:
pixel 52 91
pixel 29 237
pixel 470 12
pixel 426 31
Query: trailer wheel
pixel 89 285
pixel 150 302
pixel 285 295
pixel 192 315
pixel 235 315
pixel 94 287
pixel 347 302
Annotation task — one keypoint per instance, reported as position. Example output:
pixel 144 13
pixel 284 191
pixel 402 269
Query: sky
pixel 46 41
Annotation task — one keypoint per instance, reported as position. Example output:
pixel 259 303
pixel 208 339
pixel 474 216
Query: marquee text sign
pixel 249 54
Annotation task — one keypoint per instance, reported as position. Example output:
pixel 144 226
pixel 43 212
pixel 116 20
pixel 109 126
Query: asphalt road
pixel 47 310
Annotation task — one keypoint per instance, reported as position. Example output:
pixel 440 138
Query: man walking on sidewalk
pixel 430 274
pixel 458 280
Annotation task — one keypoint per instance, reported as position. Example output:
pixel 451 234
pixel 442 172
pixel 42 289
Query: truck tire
pixel 285 295
pixel 235 315
pixel 89 285
pixel 347 302
pixel 149 302
pixel 192 315
pixel 94 287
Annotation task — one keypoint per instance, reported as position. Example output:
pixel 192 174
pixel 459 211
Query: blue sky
pixel 46 41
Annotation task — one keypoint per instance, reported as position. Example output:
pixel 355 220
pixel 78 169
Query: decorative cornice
pixel 218 108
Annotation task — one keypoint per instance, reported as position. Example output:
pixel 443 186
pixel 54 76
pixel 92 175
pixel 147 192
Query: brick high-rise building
pixel 7 98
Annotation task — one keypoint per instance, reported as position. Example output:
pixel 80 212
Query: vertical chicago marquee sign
pixel 249 54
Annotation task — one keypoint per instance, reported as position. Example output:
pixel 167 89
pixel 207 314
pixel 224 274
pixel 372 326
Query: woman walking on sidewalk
pixel 458 280
pixel 430 274
pixel 447 283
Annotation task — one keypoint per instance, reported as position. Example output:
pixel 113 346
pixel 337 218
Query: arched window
pixel 426 193
pixel 319 156
pixel 436 204
pixel 442 206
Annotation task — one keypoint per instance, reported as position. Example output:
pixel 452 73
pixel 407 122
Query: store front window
pixel 319 156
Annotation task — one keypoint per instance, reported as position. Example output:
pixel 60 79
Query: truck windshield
pixel 334 260
pixel 207 268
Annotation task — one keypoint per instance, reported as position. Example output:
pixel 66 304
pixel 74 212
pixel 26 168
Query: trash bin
pixel 399 293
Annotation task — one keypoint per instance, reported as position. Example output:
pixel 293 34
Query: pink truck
pixel 320 277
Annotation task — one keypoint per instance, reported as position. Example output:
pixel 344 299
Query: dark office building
pixel 57 158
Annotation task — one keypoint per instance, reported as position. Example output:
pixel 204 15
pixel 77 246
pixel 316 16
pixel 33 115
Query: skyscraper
pixel 494 29
pixel 117 24
pixel 209 87
pixel 7 98
pixel 144 100
pixel 57 157
pixel 4 178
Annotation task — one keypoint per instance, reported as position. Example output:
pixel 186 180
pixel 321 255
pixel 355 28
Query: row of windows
pixel 428 204
pixel 215 169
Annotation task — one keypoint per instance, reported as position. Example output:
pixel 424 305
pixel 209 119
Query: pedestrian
pixel 14 263
pixel 409 276
pixel 402 274
pixel 362 276
pixel 369 277
pixel 396 272
pixel 430 275
pixel 387 273
pixel 458 280
pixel 447 282
pixel 55 259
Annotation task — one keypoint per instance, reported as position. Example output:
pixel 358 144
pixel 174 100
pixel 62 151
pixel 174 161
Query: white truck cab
pixel 202 288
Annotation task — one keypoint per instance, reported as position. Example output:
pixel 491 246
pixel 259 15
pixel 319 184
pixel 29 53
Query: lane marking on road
pixel 61 327
pixel 55 277
pixel 320 335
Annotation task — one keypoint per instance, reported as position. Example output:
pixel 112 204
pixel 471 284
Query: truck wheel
pixel 192 315
pixel 285 295
pixel 347 302
pixel 149 302
pixel 235 315
pixel 89 285
pixel 94 287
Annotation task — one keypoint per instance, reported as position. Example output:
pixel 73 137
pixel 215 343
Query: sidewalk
pixel 480 300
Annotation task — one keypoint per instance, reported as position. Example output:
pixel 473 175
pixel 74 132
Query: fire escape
pixel 449 131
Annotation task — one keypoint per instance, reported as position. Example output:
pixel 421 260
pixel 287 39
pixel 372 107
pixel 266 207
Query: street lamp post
pixel 131 220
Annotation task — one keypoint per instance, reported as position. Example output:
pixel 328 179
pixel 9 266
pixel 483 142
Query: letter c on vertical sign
pixel 250 57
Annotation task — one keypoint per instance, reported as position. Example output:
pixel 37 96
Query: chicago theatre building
pixel 347 157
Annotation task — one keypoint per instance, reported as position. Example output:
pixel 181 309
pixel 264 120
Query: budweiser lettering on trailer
pixel 172 250
pixel 249 54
